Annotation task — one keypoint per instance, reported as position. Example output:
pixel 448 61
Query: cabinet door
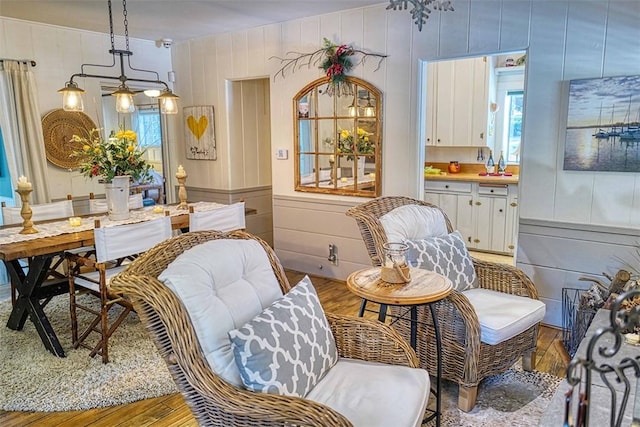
pixel 481 239
pixel 445 104
pixel 480 105
pixel 511 234
pixel 498 224
pixel 432 100
pixel 464 218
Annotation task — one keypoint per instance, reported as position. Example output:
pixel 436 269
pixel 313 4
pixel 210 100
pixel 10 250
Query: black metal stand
pixel 413 310
pixel 600 358
pixel 32 289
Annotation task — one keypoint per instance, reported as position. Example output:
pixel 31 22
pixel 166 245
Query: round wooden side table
pixel 425 288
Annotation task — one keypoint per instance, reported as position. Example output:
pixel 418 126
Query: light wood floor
pixel 171 410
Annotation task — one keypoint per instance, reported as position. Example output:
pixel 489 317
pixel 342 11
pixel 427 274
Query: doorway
pixel 147 122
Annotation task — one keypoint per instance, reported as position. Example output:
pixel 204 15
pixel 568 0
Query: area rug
pixel 515 398
pixel 33 379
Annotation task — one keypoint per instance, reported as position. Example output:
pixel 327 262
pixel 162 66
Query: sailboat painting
pixel 603 125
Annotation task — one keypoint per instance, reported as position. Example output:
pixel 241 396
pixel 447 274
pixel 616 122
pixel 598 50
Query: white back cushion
pixel 223 284
pixel 413 222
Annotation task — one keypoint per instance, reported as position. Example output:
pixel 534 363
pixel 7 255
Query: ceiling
pixel 171 19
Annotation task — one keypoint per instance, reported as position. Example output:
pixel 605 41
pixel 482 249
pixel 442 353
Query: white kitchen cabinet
pixel 485 215
pixel 457 103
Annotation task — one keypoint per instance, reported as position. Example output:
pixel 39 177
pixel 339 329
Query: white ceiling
pixel 173 19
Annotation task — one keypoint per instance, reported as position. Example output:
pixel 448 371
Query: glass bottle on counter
pixel 502 166
pixel 491 166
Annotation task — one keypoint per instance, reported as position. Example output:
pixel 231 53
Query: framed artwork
pixel 603 125
pixel 199 133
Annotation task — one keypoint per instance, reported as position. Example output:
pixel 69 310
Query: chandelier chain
pixel 113 46
pixel 126 23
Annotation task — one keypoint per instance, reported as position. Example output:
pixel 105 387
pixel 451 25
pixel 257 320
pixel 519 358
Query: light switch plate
pixel 282 154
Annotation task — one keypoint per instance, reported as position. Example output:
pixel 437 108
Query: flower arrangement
pixel 361 144
pixel 119 155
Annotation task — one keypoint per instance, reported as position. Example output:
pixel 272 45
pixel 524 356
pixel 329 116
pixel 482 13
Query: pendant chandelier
pixel 72 94
pixel 420 12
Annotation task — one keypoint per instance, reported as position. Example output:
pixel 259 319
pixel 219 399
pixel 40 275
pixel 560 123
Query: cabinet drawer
pixel 451 186
pixel 493 189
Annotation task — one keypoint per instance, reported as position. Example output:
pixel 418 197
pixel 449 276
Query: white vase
pixel 360 164
pixel 117 195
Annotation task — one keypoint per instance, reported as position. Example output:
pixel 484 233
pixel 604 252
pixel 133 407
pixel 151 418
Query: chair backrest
pixel 40 212
pixel 100 205
pixel 368 214
pixel 169 322
pixel 227 218
pixel 118 241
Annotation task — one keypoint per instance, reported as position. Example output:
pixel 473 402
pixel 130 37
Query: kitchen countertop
pixel 472 177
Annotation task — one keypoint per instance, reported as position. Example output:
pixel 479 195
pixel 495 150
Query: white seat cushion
pixel 372 394
pixel 503 316
pixel 413 222
pixel 223 284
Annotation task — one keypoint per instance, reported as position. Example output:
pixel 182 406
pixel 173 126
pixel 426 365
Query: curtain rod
pixel 31 61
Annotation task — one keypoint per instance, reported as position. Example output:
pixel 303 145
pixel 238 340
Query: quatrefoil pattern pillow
pixel 446 255
pixel 288 347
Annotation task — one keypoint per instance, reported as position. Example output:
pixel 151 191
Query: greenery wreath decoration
pixel 335 60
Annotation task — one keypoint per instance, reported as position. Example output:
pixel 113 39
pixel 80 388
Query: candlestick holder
pixel 25 211
pixel 182 190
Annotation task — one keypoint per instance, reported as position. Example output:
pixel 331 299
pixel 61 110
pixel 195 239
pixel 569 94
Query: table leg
pixel 28 302
pixel 436 330
pixel 363 305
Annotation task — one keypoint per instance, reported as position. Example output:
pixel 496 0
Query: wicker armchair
pixel 212 400
pixel 466 360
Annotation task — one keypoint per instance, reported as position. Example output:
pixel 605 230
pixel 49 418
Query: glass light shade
pixel 124 100
pixel 352 109
pixel 168 102
pixel 152 93
pixel 72 97
pixel 369 111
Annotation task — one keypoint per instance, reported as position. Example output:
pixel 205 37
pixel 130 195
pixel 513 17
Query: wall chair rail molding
pixel 72 94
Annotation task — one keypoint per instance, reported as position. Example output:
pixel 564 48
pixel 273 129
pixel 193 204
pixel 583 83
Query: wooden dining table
pixel 34 288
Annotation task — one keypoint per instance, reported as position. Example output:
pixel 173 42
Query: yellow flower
pixel 361 132
pixel 96 150
pixel 344 133
pixel 130 148
pixel 86 147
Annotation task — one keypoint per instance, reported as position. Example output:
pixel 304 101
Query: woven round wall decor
pixel 58 126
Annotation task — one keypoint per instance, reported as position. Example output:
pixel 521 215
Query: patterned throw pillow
pixel 288 347
pixel 446 255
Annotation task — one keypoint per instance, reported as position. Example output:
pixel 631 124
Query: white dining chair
pixel 100 205
pixel 40 212
pixel 114 245
pixel 227 218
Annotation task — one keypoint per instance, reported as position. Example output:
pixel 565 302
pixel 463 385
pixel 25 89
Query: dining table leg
pixel 30 292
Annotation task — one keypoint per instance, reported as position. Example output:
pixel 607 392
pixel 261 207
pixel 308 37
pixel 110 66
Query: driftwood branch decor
pixel 335 61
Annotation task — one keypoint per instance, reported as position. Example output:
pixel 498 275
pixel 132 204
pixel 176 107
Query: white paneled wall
pixel 59 52
pixel 565 40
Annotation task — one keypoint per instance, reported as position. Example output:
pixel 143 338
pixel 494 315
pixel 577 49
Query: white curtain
pixel 22 127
